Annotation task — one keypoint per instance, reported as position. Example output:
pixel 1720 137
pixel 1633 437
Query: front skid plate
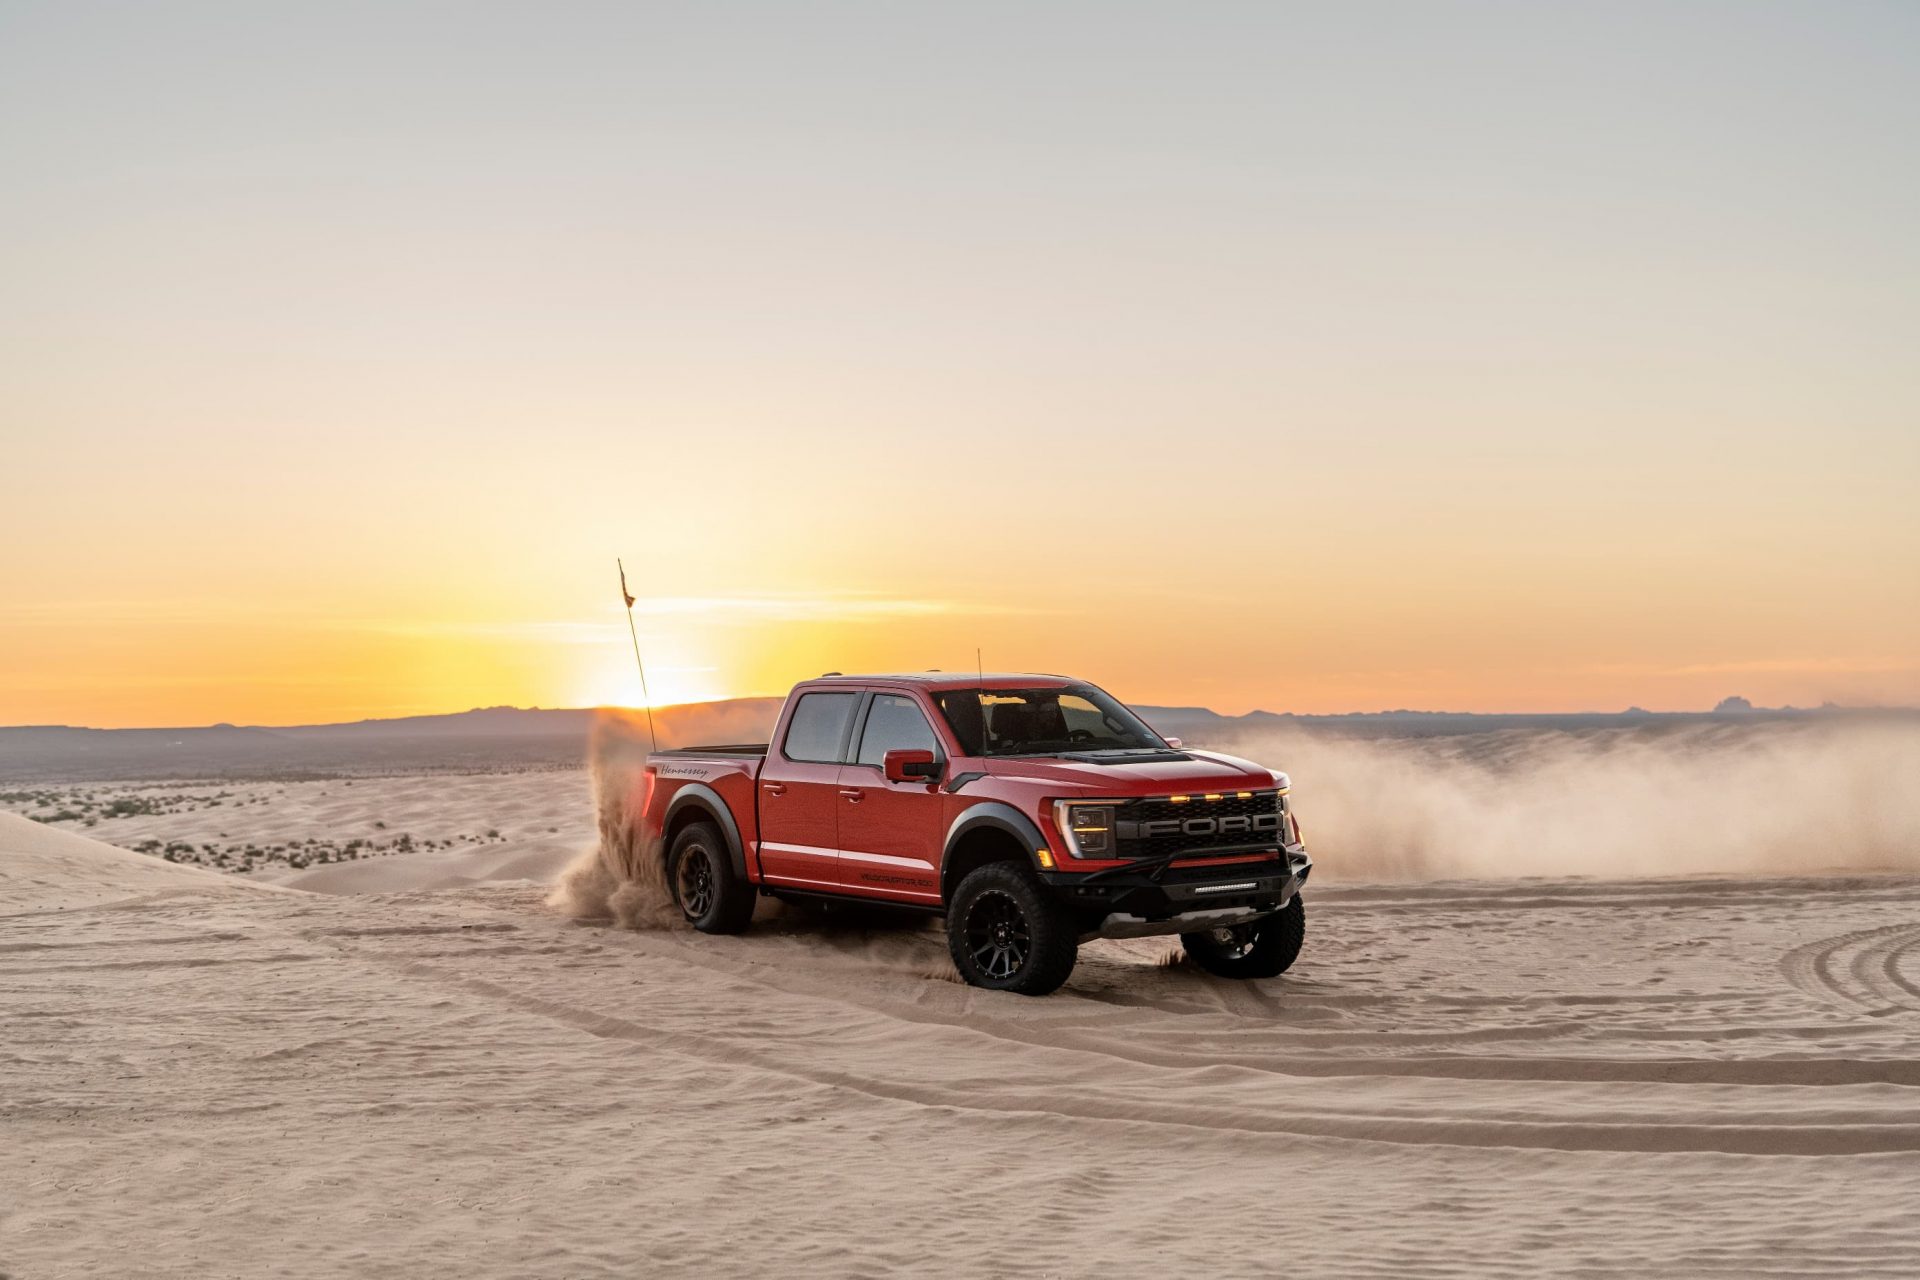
pixel 1122 925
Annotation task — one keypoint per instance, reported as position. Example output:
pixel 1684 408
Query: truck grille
pixel 1157 827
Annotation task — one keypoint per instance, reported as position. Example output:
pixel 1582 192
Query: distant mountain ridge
pixel 485 738
pixel 488 738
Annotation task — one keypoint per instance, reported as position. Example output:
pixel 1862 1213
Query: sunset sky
pixel 1316 358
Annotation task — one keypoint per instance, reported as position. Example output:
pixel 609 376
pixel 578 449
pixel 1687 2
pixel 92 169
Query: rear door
pixel 799 791
pixel 890 832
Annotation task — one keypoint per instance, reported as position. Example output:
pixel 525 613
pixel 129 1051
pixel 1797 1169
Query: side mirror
pixel 911 766
pixel 1174 743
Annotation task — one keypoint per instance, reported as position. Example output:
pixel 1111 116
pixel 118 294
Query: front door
pixel 799 793
pixel 890 832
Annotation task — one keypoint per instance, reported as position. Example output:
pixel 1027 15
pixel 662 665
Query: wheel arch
pixel 696 802
pixel 985 833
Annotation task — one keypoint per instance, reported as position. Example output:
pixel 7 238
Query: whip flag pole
pixel 653 743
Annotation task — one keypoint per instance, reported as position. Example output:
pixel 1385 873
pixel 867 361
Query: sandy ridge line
pixel 186 938
pixel 142 900
pixel 1896 886
pixel 184 962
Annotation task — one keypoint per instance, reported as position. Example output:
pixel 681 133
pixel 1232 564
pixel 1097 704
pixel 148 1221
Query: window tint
pixel 894 723
pixel 818 724
pixel 1082 716
pixel 1028 722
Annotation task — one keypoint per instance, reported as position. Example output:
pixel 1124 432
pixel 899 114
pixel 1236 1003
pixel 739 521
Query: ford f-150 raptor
pixel 1034 812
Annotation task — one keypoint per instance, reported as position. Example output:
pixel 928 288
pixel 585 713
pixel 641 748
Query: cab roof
pixel 941 680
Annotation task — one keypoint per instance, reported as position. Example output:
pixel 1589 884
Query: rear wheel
pixel 705 888
pixel 1006 934
pixel 1265 948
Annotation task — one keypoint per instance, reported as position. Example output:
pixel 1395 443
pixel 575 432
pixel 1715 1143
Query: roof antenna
pixel 980 670
pixel 653 742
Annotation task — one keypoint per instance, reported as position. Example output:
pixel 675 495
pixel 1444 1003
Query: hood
pixel 1191 771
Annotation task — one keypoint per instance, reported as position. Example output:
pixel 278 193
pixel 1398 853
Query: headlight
pixel 1088 828
pixel 1289 825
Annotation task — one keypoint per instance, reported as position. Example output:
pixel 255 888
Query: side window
pixel 894 723
pixel 818 726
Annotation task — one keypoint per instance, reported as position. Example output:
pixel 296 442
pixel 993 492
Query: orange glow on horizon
pixel 1531 386
pixel 277 672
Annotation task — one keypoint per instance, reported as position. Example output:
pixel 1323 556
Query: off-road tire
pixel 701 877
pixel 1268 948
pixel 1006 933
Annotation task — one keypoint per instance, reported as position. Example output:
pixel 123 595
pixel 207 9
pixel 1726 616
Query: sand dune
pixel 531 861
pixel 46 869
pixel 206 1076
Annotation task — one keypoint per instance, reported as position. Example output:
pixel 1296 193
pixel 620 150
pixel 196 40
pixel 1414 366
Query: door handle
pixel 775 788
pixel 853 797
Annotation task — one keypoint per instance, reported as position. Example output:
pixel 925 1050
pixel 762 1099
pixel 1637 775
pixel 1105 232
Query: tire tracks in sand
pixel 1861 970
pixel 1235 1102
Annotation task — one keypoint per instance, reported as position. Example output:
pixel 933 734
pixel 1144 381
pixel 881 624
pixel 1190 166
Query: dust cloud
pixel 622 877
pixel 1764 798
pixel 1770 798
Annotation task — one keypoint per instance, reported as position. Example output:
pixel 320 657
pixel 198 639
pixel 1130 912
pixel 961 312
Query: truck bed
pixel 726 772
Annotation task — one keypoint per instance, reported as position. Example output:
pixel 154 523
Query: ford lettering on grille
pixel 1254 824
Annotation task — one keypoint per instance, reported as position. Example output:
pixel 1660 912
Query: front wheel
pixel 705 888
pixel 1264 948
pixel 1006 934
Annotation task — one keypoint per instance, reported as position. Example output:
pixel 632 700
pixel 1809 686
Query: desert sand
pixel 206 1076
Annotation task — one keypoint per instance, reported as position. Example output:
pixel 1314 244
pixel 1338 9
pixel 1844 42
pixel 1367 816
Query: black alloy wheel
pixel 1006 932
pixel 997 935
pixel 701 877
pixel 693 881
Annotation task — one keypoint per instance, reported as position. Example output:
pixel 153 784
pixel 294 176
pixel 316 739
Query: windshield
pixel 1033 722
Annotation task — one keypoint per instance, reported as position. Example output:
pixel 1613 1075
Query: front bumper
pixel 1168 899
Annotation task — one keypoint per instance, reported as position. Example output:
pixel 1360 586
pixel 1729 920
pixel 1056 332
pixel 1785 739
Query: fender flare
pixel 995 814
pixel 698 795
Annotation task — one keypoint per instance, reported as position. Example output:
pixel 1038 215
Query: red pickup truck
pixel 1034 812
